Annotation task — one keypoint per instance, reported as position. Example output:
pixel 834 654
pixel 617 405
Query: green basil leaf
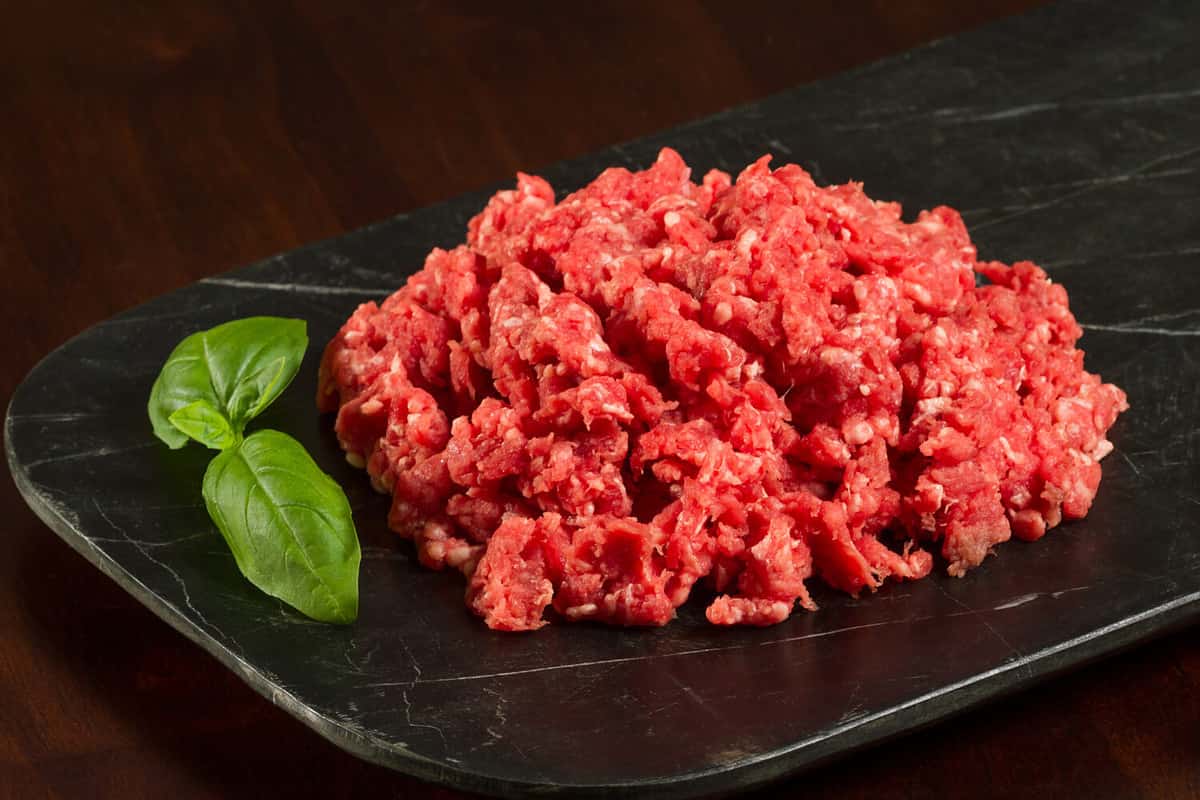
pixel 182 381
pixel 288 524
pixel 205 424
pixel 238 368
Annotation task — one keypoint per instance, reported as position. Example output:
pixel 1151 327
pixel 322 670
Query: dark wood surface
pixel 145 146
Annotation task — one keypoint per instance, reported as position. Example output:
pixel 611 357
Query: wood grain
pixel 144 146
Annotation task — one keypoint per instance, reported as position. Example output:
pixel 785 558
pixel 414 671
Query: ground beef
pixel 594 404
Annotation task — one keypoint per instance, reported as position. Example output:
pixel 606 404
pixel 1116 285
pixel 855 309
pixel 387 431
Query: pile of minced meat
pixel 595 404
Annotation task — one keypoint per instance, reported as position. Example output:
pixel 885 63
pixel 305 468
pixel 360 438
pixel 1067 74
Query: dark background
pixel 145 146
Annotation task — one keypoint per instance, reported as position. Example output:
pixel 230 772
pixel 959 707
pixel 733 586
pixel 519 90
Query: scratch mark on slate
pixel 1122 328
pixel 70 416
pixel 299 288
pixel 1117 178
pixel 409 685
pixel 695 697
pixel 982 620
pixel 960 115
pixel 187 598
pixel 140 543
pixel 1133 466
pixel 775 144
pixel 1189 250
pixel 1018 601
pixel 494 730
pixel 627 659
pixel 966 610
pixel 99 452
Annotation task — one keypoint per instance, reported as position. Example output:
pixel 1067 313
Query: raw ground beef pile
pixel 594 404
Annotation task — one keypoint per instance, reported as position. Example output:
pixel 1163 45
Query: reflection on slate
pixel 1070 136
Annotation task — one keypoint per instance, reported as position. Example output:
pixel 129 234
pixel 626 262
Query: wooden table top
pixel 144 148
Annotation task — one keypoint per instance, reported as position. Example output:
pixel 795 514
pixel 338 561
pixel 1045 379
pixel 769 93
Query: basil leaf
pixel 238 368
pixel 288 524
pixel 205 424
pixel 182 381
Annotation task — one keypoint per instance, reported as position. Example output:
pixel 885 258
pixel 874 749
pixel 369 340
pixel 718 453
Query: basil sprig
pixel 288 523
pixel 236 369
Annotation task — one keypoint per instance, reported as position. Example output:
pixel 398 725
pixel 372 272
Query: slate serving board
pixel 1070 136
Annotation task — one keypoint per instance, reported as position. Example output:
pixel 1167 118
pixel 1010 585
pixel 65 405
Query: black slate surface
pixel 1070 136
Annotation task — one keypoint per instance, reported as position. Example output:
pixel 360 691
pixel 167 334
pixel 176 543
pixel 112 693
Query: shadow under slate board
pixel 1070 136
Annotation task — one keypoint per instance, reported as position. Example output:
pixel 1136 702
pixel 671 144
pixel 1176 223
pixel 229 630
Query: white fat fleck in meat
pixel 919 293
pixel 722 313
pixel 616 410
pixel 581 611
pixel 930 225
pixel 932 405
pixel 858 432
pixel 459 555
pixel 355 460
pixel 382 483
pixel 861 292
pixel 1013 456
pixel 434 549
pixel 938 492
pixel 746 241
pixel 671 219
pixel 837 355
pixel 371 407
pixel 639 298
pixel 1103 448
